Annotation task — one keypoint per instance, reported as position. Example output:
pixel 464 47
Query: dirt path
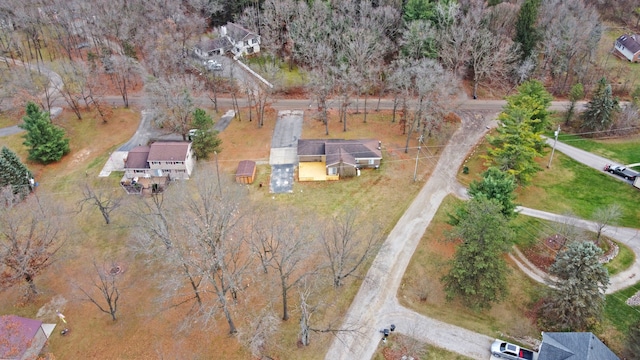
pixel 375 305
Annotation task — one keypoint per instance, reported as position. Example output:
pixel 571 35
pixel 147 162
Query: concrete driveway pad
pixel 281 179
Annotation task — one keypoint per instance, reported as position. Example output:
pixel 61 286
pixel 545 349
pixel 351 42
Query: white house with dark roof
pixel 628 47
pixel 234 38
pixel 172 159
pixel 244 42
pixel 209 48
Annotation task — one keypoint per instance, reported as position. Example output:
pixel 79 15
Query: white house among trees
pixel 627 46
pixel 234 38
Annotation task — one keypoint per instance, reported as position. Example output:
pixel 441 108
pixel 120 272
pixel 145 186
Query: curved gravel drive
pixel 375 305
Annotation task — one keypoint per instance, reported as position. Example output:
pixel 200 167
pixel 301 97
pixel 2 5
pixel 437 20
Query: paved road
pixel 305 104
pixel 55 80
pixel 375 306
pixel 10 130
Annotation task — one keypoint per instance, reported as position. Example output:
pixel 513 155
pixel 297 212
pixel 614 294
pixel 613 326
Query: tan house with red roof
pixel 171 159
pixel 330 159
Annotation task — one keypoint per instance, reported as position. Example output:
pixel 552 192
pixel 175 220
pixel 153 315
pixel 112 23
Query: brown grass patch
pixel 145 331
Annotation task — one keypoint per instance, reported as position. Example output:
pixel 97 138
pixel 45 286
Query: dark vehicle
pixel 621 171
pixel 503 350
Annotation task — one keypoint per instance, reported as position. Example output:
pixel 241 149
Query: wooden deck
pixel 314 171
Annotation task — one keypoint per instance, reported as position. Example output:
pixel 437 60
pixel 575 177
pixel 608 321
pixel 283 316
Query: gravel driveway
pixel 375 306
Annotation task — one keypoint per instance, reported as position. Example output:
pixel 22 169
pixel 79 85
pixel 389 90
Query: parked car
pixel 213 65
pixel 621 171
pixel 503 350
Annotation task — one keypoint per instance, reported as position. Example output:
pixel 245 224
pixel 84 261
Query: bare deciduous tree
pixel 311 302
pixel 260 332
pixel 489 57
pixel 348 242
pixel 571 32
pixel 172 102
pixel 284 243
pixel 106 200
pixel 30 236
pixel 606 216
pixel 199 237
pixel 107 288
pixel 431 83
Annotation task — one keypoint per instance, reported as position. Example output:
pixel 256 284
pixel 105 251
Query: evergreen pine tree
pixel 205 141
pixel 576 301
pixel 601 110
pixel 526 33
pixel 14 172
pixel 46 142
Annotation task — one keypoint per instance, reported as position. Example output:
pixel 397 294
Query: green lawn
pixel 618 313
pixel 570 187
pixel 626 151
pixel 625 258
pixel 287 77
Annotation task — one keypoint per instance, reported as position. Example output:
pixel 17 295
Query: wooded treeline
pixel 416 51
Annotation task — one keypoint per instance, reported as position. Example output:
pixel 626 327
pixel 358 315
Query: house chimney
pixel 379 145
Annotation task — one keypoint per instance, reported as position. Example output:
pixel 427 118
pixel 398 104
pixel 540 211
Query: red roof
pixel 16 334
pixel 137 158
pixel 168 151
pixel 246 168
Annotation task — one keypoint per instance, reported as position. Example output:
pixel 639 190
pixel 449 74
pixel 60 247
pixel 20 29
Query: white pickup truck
pixel 501 349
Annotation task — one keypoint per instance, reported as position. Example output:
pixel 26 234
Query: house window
pixel 333 171
pixel 372 161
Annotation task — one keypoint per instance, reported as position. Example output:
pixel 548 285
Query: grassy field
pixel 622 150
pixel 569 187
pixel 572 188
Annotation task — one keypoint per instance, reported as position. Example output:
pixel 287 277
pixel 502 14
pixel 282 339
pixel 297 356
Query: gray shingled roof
pixel 339 150
pixel 573 346
pixel 168 151
pixel 214 44
pixel 137 158
pixel 238 33
pixel 629 43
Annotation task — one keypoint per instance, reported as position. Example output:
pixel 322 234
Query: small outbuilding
pixel 246 172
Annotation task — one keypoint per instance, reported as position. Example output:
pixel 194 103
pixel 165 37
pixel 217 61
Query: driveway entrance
pixel 284 150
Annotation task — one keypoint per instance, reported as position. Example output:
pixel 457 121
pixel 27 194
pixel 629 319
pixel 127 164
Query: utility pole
pixel 554 146
pixel 218 174
pixel 415 171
